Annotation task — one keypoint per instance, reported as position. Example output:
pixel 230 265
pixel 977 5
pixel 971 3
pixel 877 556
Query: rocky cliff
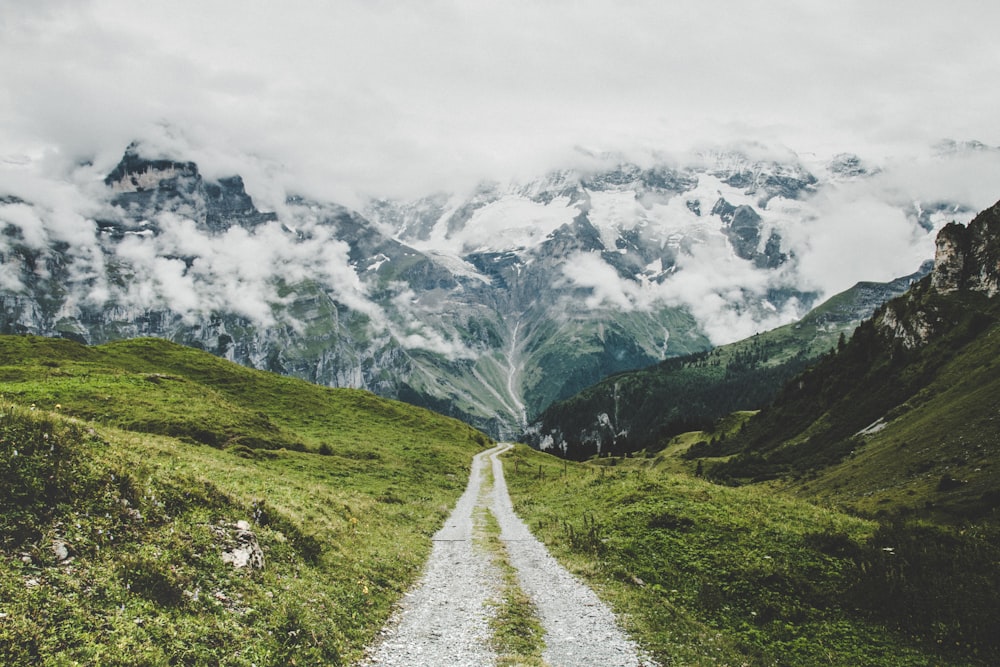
pixel 966 260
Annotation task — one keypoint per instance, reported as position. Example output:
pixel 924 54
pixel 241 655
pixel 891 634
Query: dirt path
pixel 444 621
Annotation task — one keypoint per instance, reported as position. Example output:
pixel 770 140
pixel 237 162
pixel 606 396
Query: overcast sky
pixel 398 98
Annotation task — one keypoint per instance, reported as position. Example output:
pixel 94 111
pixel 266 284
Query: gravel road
pixel 444 621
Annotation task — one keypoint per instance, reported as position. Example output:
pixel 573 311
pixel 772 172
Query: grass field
pixel 127 467
pixel 705 574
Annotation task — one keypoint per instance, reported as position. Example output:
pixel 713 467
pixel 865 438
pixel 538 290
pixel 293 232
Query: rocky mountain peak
pixel 136 173
pixel 968 257
pixel 144 187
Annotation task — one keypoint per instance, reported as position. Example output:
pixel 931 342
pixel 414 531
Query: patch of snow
pixel 509 223
pixel 457 266
pixel 377 262
pixel 873 428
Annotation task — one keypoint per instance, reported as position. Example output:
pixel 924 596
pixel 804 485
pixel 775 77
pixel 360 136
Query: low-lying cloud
pixel 851 230
pixel 356 98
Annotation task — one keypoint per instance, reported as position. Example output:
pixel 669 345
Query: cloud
pixel 850 230
pixel 24 218
pixel 413 325
pixel 340 100
pixel 238 270
pixel 868 229
pixel 607 288
pixel 399 99
pixel 726 295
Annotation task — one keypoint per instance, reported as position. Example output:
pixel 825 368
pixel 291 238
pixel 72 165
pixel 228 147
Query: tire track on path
pixel 444 621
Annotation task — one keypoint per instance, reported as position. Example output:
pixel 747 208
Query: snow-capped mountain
pixel 488 305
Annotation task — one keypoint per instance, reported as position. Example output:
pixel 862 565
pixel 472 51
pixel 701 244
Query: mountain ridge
pixel 488 307
pixel 642 409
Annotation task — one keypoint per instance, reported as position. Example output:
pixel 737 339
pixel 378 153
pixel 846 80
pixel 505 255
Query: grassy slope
pixel 140 509
pixel 918 584
pixel 711 575
pixel 936 407
pixel 656 403
pixel 936 455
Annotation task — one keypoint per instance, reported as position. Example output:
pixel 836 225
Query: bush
pixel 41 470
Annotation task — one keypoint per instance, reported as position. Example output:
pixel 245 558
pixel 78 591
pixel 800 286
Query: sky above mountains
pixel 368 96
pixel 340 100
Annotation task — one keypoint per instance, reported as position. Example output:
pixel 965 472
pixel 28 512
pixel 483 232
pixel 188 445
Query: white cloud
pixel 404 98
pixel 338 99
pixel 607 288
pixel 725 294
pixel 25 218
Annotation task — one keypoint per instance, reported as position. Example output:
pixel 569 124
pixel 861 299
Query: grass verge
pixel 518 637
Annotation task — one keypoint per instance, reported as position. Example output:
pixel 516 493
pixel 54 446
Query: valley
pixel 821 492
pixel 493 334
pixel 487 305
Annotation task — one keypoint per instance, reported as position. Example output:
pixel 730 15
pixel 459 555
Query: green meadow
pixel 126 468
pixel 706 574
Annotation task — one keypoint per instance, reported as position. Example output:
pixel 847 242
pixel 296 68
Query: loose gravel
pixel 444 621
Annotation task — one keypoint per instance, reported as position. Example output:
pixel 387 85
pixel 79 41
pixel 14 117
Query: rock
pixel 60 550
pixel 744 231
pixel 240 546
pixel 968 257
pixel 952 248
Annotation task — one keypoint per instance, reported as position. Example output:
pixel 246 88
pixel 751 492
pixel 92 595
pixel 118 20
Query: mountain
pixel 485 306
pixel 162 505
pixel 642 409
pixel 902 417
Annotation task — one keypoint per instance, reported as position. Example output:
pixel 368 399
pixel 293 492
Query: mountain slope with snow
pixel 488 305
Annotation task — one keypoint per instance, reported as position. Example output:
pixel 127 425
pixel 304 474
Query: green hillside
pixel 643 409
pixel 858 517
pixel 901 420
pixel 127 467
pixel 883 426
pixel 707 574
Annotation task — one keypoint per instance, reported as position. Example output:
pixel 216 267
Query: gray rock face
pixel 849 165
pixel 951 251
pixel 240 547
pixel 968 257
pixel 744 232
